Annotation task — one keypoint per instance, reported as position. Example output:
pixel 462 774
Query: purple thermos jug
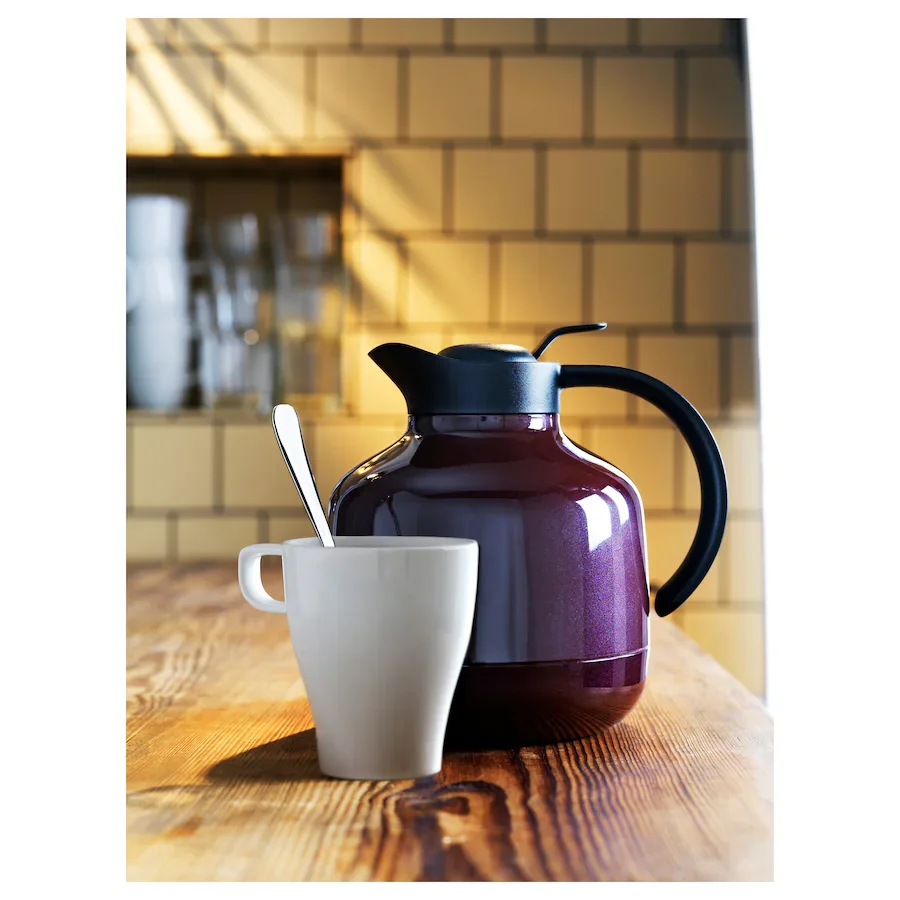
pixel 560 641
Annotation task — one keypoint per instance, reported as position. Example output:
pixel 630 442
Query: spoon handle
pixel 286 424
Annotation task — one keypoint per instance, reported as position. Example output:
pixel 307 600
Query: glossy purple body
pixel 563 601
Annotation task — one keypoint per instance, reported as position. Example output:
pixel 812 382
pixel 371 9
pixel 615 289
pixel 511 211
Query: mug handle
pixel 250 579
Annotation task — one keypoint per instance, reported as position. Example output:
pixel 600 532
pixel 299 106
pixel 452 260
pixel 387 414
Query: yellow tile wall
pixel 263 97
pixel 668 538
pixel 187 82
pixel 681 190
pixel 734 636
pixel 689 363
pixel 494 190
pixel 743 377
pixel 290 33
pixel 680 32
pixel 399 190
pixel 245 484
pixel 146 538
pixel 587 32
pixel 215 537
pixel 449 97
pixel 541 97
pixel 502 177
pixel 494 32
pixel 449 281
pixel 375 261
pixel 356 97
pixel 540 282
pixel 416 32
pixel 717 283
pixel 739 177
pixel 171 465
pixel 634 98
pixel 218 33
pixel 587 190
pixel 285 528
pixel 634 283
pixel 715 107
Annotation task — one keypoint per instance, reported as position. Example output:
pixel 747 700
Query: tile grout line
pixel 262 526
pixel 329 147
pixel 357 48
pixel 681 97
pixel 725 390
pixel 496 76
pixel 448 185
pixel 540 190
pixel 587 280
pixel 352 257
pixel 218 466
pixel 633 190
pixel 631 360
pixel 587 98
pixel 448 34
pixel 724 573
pixel 725 208
pixel 171 536
pixel 129 468
pixel 403 293
pixel 282 205
pixel 678 285
pixel 569 235
pixel 634 35
pixel 540 35
pixel 494 275
pixel 403 101
pixel 355 34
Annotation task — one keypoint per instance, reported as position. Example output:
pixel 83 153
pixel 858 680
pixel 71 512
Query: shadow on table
pixel 291 758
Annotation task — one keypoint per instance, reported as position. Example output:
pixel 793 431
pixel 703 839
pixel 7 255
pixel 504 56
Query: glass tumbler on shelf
pixel 236 361
pixel 310 296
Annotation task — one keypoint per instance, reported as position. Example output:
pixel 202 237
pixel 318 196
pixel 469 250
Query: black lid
pixel 489 353
pixel 475 379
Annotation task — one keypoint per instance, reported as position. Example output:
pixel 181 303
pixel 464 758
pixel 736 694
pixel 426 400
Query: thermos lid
pixel 476 379
pixel 488 353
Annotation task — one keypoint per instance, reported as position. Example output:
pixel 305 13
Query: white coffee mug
pixel 156 225
pixel 157 357
pixel 380 627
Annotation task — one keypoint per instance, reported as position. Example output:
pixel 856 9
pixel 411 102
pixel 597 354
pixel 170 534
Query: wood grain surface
pixel 223 784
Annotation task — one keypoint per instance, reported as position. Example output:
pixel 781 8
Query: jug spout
pixel 405 364
pixel 410 368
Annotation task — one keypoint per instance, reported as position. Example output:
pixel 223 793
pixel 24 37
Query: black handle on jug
pixel 713 486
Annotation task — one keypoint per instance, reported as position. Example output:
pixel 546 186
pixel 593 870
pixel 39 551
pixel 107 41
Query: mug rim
pixel 383 543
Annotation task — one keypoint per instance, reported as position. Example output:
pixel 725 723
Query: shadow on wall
pixel 242 94
pixel 149 72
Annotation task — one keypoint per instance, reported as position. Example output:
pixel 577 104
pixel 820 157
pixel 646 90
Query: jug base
pixel 501 706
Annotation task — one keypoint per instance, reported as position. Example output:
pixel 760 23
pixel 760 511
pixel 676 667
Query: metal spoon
pixel 286 424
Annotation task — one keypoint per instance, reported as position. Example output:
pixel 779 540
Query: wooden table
pixel 223 783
